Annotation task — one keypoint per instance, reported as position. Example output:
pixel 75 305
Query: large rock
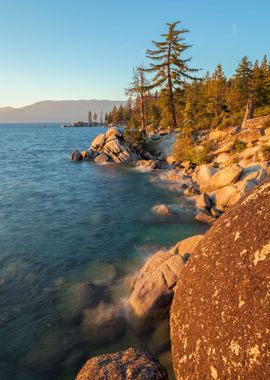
pixel 220 319
pixel 98 142
pixel 229 195
pixel 203 173
pixel 113 133
pixel 132 364
pixel 227 176
pixel 250 135
pixel 225 148
pixel 152 292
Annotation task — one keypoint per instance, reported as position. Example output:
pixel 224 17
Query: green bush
pixel 185 150
pixel 133 136
pixel 238 146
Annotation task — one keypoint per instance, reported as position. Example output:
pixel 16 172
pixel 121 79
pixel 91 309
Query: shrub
pixel 133 136
pixel 238 146
pixel 185 150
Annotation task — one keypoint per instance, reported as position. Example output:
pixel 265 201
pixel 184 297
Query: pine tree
pixel 170 69
pixel 243 80
pixel 90 117
pixel 217 88
pixel 95 118
pixel 139 87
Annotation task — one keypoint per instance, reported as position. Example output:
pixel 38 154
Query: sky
pixel 86 49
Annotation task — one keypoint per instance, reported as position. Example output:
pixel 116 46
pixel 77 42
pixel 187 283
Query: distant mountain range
pixel 62 111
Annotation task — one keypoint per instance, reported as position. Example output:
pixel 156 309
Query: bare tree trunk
pixel 142 111
pixel 249 111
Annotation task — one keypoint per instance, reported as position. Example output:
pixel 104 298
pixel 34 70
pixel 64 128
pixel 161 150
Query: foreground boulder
pixel 220 320
pixel 132 364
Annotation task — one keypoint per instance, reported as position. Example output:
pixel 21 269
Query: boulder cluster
pixel 215 186
pixel 108 147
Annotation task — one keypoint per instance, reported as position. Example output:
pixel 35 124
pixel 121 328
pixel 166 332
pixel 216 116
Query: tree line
pixel 170 93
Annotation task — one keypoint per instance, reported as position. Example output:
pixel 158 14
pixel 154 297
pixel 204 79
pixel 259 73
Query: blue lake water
pixel 64 224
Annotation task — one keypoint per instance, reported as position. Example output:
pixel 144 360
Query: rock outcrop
pixel 132 364
pixel 220 316
pixel 109 146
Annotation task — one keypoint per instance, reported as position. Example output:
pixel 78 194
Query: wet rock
pixel 102 159
pixel 162 210
pixel 152 292
pixel 220 325
pixel 76 155
pixel 149 164
pixel 132 364
pixel 103 324
pixel 227 176
pixel 204 216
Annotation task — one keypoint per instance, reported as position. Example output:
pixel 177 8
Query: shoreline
pixel 207 190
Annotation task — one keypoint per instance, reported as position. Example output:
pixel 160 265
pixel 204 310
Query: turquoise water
pixel 64 225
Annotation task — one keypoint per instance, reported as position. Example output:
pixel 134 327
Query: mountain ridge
pixel 57 111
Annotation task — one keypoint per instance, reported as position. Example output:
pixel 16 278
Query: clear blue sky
pixel 84 49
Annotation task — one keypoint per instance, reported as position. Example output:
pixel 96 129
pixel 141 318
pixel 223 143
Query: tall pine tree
pixel 170 69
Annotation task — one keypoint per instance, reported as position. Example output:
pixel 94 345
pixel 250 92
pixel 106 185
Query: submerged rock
pixel 161 210
pixel 220 322
pixel 103 324
pixel 74 298
pixel 132 364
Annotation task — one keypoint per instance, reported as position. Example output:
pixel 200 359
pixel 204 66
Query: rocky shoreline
pixel 221 186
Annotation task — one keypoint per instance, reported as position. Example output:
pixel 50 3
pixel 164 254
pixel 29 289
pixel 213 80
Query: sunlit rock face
pixel 220 316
